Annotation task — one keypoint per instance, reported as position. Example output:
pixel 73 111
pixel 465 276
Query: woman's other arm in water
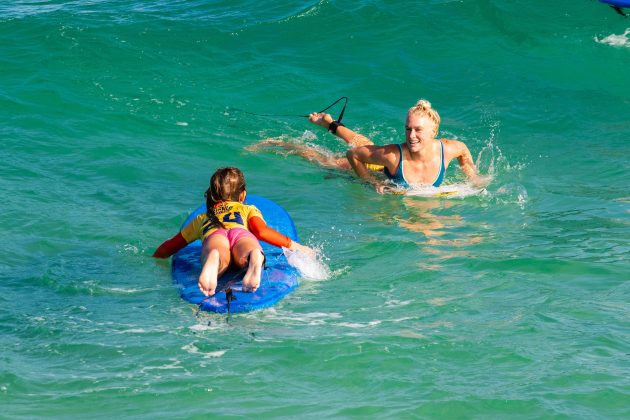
pixel 468 166
pixel 377 155
pixel 351 137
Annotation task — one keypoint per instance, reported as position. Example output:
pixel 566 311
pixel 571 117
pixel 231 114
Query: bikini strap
pixel 400 163
pixel 440 176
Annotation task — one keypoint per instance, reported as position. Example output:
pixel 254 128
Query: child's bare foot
pixel 251 279
pixel 209 272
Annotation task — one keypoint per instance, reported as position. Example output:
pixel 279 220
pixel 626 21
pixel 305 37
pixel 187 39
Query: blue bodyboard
pixel 278 279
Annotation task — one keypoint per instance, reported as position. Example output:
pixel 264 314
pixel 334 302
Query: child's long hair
pixel 226 184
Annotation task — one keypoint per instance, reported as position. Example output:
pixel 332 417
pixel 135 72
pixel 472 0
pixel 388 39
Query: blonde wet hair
pixel 423 108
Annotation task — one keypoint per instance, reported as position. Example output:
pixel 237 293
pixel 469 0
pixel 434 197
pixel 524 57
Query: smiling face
pixel 420 131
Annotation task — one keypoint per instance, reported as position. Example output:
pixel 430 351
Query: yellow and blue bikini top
pixel 399 177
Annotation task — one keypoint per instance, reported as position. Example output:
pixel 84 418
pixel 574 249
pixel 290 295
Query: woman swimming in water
pixel 421 160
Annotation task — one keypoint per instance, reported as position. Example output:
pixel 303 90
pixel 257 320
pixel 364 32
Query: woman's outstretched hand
pixel 321 119
pixel 481 181
pixel 389 189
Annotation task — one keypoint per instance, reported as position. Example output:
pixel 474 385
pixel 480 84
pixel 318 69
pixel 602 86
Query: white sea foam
pixel 439 301
pixel 176 364
pixel 136 331
pixel 445 191
pixel 396 302
pixel 126 291
pixel 308 135
pixel 207 322
pixel 129 249
pixel 410 334
pixel 359 325
pixel 192 349
pixel 616 40
pixel 293 318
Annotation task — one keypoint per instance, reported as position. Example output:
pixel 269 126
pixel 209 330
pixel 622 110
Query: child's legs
pixel 247 251
pixel 215 259
pixel 243 249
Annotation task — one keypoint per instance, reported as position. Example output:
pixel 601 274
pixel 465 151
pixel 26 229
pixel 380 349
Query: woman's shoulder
pixel 384 147
pixel 391 152
pixel 451 142
pixel 453 147
pixel 392 147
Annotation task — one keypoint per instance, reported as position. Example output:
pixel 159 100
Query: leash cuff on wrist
pixel 334 125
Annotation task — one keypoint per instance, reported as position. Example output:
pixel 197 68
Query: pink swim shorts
pixel 233 235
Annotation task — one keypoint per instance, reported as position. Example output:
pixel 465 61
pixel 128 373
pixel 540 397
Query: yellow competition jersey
pixel 231 213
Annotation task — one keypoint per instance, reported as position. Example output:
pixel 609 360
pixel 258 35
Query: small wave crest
pixel 622 40
pixel 193 348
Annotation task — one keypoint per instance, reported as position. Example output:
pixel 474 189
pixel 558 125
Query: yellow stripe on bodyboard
pixel 445 193
pixel 374 167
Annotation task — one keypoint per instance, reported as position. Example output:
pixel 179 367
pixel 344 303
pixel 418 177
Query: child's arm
pixel 170 246
pixel 264 233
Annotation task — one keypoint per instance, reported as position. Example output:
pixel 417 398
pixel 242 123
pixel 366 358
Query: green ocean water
pixel 512 304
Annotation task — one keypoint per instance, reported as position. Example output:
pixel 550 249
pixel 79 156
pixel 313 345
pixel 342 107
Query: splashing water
pixel 616 40
pixel 512 193
pixel 312 268
pixel 447 191
pixel 491 159
pixel 486 157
